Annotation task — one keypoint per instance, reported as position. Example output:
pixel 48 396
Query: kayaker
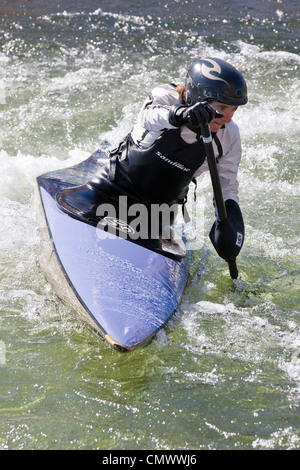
pixel 164 152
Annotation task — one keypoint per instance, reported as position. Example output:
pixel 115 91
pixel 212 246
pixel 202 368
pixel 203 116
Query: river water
pixel 225 372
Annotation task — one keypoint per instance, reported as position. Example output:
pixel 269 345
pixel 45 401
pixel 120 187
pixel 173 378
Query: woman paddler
pixel 164 152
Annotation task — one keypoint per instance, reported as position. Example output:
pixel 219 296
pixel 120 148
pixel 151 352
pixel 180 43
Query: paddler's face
pixel 227 110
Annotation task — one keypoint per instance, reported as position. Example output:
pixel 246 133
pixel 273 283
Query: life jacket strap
pixel 119 153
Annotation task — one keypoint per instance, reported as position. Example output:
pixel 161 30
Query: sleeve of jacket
pixel 229 163
pixel 154 115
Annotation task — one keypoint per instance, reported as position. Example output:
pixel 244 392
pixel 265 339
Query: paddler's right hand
pixel 199 113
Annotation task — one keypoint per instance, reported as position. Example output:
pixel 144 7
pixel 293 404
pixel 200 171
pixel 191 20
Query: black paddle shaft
pixel 214 174
pixel 215 179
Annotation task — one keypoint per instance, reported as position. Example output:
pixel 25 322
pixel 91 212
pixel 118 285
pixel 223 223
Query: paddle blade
pixel 233 270
pixel 227 236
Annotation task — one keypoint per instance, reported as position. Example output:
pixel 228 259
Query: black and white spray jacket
pixel 162 160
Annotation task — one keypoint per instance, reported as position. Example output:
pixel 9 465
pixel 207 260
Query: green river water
pixel 225 372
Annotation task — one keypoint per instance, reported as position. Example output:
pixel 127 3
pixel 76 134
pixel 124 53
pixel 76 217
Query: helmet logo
pixel 207 71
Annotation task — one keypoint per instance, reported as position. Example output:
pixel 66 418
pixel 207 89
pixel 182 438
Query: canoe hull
pixel 123 291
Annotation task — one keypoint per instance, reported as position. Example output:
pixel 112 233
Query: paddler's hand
pixel 199 113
